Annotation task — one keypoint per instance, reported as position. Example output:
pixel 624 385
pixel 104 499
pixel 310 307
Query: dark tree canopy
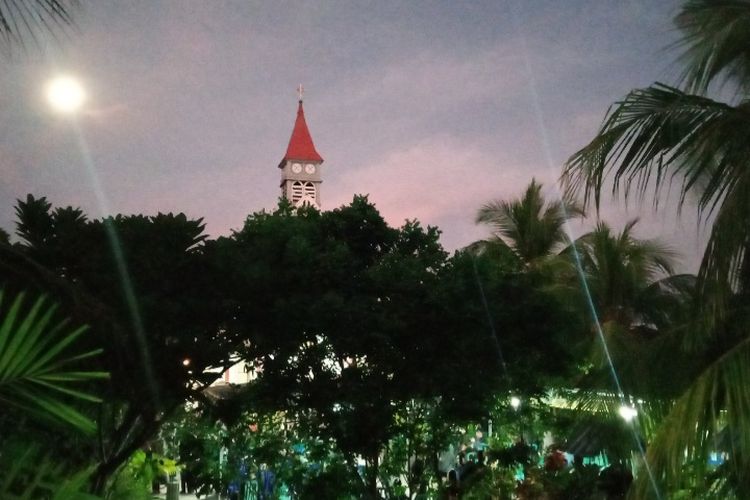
pixel 144 286
pixel 344 319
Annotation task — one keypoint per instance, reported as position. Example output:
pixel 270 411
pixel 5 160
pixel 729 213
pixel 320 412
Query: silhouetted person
pixel 453 489
pixel 615 481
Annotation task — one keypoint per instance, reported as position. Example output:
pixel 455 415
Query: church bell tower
pixel 300 167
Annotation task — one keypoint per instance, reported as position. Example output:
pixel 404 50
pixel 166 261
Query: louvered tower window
pixel 297 191
pixel 310 190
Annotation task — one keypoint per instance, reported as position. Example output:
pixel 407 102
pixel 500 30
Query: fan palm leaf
pixel 35 367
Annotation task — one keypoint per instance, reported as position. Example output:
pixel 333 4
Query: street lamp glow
pixel 628 413
pixel 515 402
pixel 65 94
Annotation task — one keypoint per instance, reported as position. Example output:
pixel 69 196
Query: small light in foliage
pixel 628 413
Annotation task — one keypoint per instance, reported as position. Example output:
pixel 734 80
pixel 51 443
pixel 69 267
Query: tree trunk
pixel 371 476
pixel 132 439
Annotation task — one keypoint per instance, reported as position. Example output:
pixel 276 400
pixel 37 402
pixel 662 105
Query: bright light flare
pixel 515 402
pixel 65 94
pixel 628 413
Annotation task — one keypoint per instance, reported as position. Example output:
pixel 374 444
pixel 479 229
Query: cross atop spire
pixel 300 91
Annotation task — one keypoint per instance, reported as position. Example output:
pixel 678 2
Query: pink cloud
pixel 428 181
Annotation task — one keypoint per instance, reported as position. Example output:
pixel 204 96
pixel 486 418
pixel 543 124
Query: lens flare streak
pixel 120 262
pixel 544 137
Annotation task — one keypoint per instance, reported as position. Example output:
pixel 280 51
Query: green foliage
pixel 333 482
pixel 531 226
pixel 350 322
pixel 651 138
pixel 723 428
pixel 714 43
pixel 44 390
pixel 496 483
pixel 334 305
pixel 365 340
pixel 134 479
pixel 28 474
pixel 36 368
pixel 145 287
pixel 213 455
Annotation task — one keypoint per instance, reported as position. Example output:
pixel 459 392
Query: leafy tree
pixel 335 305
pixel 144 286
pixel 663 133
pixel 348 322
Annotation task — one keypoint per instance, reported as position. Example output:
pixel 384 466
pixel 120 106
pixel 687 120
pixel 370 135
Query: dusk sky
pixel 431 108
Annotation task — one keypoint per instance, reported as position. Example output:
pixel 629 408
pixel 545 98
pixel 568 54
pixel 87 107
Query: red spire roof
pixel 301 145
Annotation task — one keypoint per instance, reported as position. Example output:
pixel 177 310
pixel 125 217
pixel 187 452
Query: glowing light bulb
pixel 515 402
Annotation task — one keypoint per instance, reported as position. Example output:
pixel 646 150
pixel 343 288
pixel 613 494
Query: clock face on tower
pixel 296 168
pixel 310 168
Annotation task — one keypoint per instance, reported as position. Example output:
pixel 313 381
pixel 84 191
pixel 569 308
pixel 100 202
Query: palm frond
pixel 620 267
pixel 532 226
pixel 716 42
pixel 28 474
pixel 656 134
pixel 23 21
pixel 713 415
pixel 725 251
pixel 668 302
pixel 34 373
pixel 660 133
pixel 602 428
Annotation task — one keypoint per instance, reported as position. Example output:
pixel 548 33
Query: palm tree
pixel 661 133
pixel 637 298
pixel 651 138
pixel 641 307
pixel 620 270
pixel 530 226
